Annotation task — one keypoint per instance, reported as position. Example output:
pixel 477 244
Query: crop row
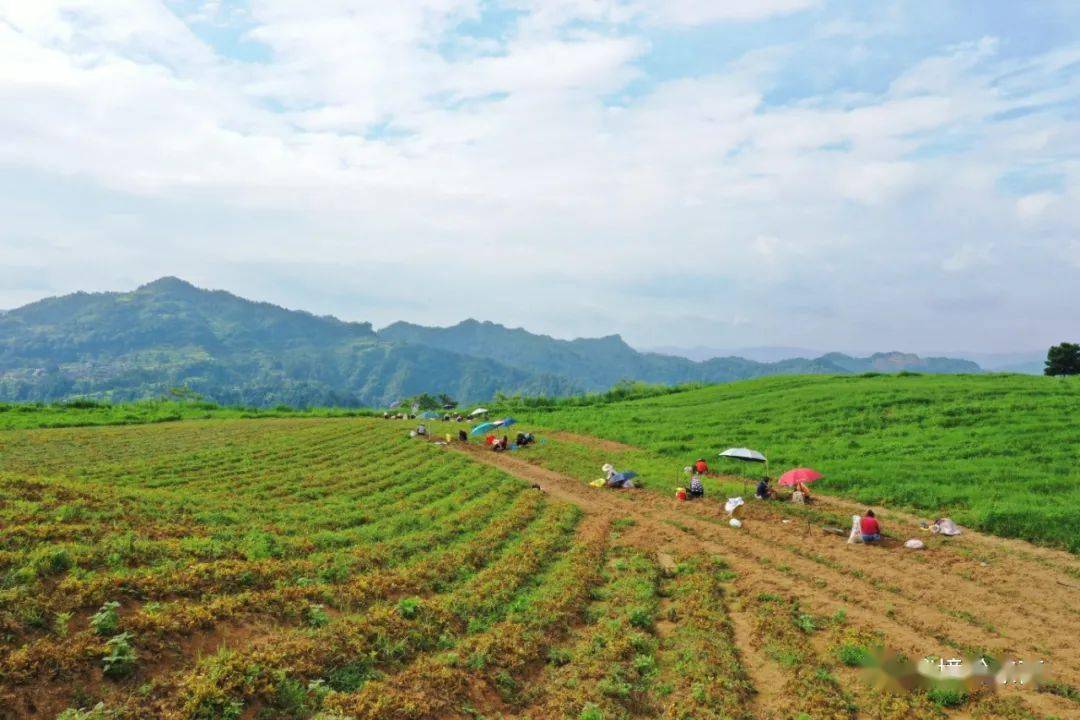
pixel 478 533
pixel 504 636
pixel 390 634
pixel 782 631
pixel 609 669
pixel 703 675
pixel 285 528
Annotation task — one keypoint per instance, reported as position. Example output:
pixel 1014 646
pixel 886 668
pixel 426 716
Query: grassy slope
pixel 997 452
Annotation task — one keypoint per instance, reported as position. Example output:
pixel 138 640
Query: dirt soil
pixel 968 594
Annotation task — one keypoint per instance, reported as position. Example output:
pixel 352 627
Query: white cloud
pixel 1034 205
pixel 700 12
pixel 967 256
pixel 377 135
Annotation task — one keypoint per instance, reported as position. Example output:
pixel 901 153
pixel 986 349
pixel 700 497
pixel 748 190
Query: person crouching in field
pixel 615 479
pixel 701 467
pixel 869 527
pixel 801 494
pixel 697 489
pixel 764 492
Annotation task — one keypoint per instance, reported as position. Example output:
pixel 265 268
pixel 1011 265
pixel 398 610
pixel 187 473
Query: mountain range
pixel 1031 362
pixel 169 334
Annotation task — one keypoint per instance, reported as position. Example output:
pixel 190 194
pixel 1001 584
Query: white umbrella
pixel 746 455
pixel 478 411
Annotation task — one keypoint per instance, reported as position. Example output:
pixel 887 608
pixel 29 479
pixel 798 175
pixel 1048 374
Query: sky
pixel 842 175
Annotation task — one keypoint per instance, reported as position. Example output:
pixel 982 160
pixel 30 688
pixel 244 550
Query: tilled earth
pixel 960 596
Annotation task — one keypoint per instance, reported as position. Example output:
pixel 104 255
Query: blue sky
pixel 850 175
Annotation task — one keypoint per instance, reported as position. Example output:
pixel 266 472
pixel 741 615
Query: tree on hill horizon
pixel 1063 359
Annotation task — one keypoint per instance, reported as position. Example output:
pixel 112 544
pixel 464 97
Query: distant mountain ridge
pixel 599 363
pixel 169 333
pixel 1030 362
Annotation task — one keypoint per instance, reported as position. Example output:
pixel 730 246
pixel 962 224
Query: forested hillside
pixel 169 333
pixel 127 346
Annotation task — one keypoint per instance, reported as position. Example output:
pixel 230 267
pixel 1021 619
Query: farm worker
pixel 869 527
pixel 697 490
pixel 701 467
pixel 764 492
pixel 463 436
pixel 804 490
pixel 945 526
pixel 617 479
pixel 490 440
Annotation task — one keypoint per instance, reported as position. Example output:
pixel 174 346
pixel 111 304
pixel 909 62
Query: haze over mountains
pixel 169 333
pixel 1030 363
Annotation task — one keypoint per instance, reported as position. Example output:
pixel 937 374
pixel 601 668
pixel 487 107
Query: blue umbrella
pixel 505 422
pixel 483 427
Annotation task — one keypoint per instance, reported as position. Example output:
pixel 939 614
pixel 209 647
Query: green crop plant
pixel 98 712
pixel 61 623
pixel 120 657
pixel 316 615
pixel 106 620
pixel 809 684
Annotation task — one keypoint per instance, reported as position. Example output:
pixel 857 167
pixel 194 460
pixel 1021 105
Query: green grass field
pixel 82 413
pixel 996 452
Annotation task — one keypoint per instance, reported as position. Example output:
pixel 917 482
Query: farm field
pixel 802 599
pixel 333 568
pixel 997 452
pixel 84 413
pixel 287 568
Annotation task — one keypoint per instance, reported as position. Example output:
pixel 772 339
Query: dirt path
pixel 767 678
pixel 971 593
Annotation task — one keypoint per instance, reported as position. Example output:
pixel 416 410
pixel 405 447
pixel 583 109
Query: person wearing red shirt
pixel 701 467
pixel 869 527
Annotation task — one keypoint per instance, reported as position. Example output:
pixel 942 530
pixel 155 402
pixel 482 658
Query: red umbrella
pixel 800 475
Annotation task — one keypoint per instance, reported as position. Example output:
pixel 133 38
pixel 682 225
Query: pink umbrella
pixel 800 475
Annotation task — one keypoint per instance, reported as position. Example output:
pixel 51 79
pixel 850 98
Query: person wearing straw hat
pixel 615 479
